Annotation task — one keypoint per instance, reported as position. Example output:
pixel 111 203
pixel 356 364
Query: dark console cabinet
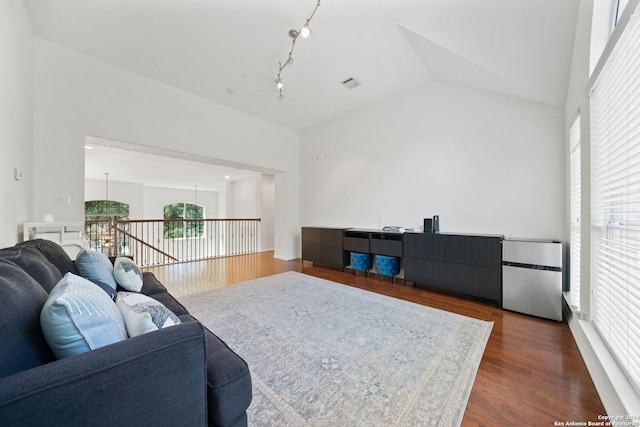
pixel 467 264
pixel 323 246
pixel 461 263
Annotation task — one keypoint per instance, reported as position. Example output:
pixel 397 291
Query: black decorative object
pixel 428 225
pixel 436 223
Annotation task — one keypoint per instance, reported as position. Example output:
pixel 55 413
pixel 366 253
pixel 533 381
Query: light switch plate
pixel 17 174
pixel 63 200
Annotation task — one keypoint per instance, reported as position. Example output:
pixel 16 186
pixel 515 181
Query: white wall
pixel 77 96
pixel 16 120
pixel 267 209
pixel 255 198
pixel 485 163
pixel 244 198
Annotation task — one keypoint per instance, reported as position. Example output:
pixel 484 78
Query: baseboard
pixel 618 396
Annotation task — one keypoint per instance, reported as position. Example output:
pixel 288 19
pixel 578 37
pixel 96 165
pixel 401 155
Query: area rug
pixel 327 354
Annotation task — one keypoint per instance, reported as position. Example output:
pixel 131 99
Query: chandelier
pixel 304 32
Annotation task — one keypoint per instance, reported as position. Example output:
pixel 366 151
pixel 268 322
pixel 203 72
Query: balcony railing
pixel 155 242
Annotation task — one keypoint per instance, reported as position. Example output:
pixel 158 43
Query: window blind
pixel 620 5
pixel 615 188
pixel 575 208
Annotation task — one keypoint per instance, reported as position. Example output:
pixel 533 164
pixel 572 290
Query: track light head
pixel 304 33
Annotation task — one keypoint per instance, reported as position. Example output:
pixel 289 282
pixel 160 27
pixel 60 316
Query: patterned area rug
pixel 326 354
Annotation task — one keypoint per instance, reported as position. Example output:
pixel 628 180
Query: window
pixel 96 227
pixel 615 188
pixel 575 208
pixel 102 209
pixel 176 229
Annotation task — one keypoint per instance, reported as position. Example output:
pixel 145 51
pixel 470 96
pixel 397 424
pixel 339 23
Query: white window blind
pixel 620 5
pixel 575 201
pixel 615 188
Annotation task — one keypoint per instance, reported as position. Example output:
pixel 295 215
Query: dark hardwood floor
pixel 531 374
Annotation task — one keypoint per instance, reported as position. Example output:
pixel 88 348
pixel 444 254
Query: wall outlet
pixel 17 174
pixel 63 200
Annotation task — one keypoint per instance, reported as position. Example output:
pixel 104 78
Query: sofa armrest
pixel 158 378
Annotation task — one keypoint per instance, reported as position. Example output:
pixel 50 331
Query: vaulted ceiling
pixel 228 51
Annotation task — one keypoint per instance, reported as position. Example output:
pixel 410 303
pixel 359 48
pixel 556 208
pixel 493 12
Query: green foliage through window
pixel 177 229
pixel 102 209
pixel 96 227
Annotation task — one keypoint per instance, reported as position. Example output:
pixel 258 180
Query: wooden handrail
pixel 181 220
pixel 126 233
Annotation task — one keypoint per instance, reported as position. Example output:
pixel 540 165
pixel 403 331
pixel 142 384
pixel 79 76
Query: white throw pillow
pixel 78 316
pixel 127 274
pixel 143 314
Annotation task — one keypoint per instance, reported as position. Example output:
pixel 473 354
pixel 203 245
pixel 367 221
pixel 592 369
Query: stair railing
pixel 156 242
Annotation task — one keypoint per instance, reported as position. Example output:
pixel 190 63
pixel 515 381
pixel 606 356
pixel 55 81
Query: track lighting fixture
pixel 304 32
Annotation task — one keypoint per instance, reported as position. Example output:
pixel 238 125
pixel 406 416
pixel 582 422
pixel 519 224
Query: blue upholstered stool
pixel 360 262
pixel 387 265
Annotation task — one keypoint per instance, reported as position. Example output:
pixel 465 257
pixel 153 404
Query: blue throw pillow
pixel 96 267
pixel 78 316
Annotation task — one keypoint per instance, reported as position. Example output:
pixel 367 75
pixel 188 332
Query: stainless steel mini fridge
pixel 532 277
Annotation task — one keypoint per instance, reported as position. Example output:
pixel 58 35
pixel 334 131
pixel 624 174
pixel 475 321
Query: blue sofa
pixel 180 375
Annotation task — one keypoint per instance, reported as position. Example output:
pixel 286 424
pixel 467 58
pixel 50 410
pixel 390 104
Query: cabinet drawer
pixel 323 236
pixel 474 250
pixel 425 246
pixel 310 252
pixel 386 247
pixel 476 281
pixel 356 244
pixel 425 272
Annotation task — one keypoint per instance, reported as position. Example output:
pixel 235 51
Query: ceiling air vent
pixel 350 83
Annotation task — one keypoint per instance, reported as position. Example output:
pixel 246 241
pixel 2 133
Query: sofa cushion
pixel 31 260
pixel 229 390
pixel 78 316
pixel 143 314
pixel 54 253
pixel 171 303
pixel 21 299
pixel 96 267
pixel 127 274
pixel 156 290
pixel 151 285
pixel 156 379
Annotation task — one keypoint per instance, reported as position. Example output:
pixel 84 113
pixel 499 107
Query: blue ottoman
pixel 360 262
pixel 387 265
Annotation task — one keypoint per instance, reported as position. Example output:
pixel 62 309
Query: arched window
pixel 96 226
pixel 181 222
pixel 102 209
